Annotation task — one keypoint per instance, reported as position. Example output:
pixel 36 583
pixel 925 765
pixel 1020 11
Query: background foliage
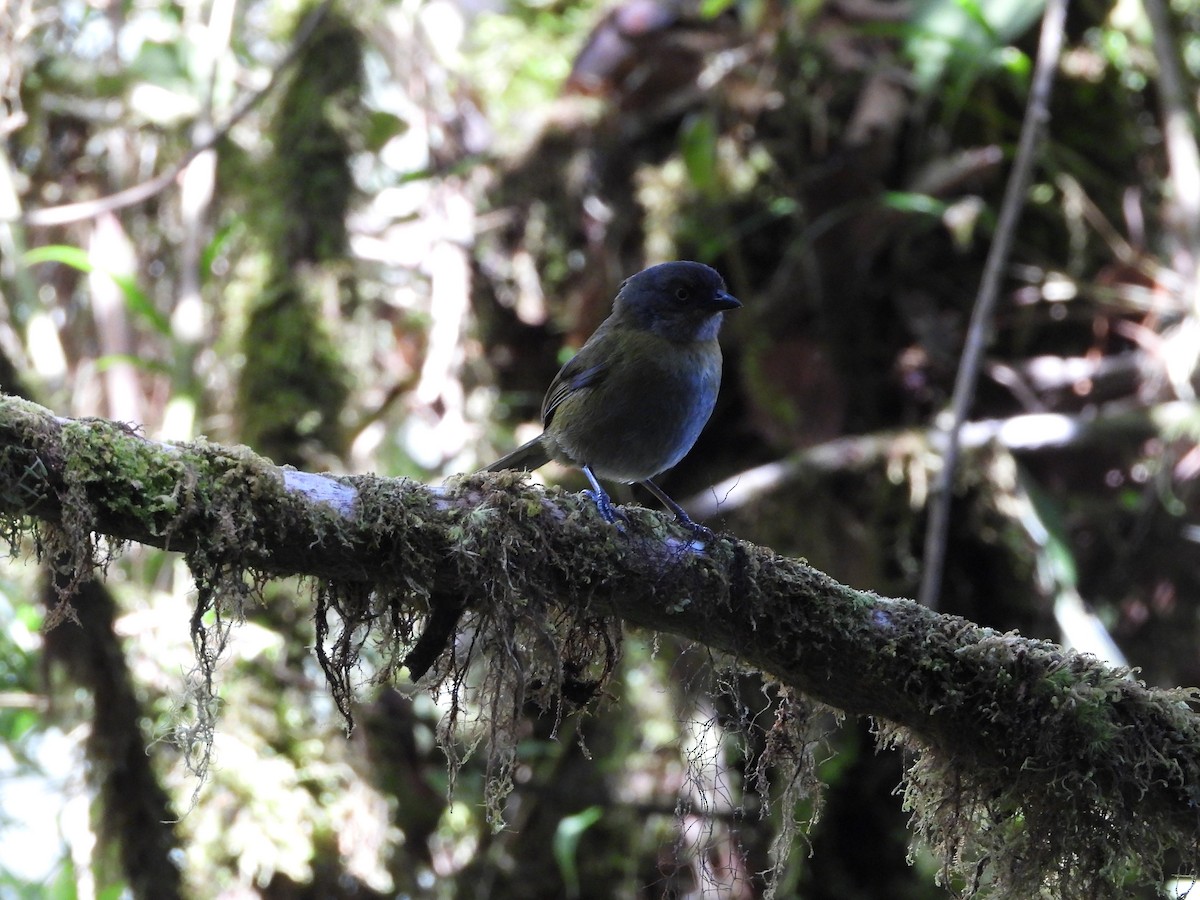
pixel 363 239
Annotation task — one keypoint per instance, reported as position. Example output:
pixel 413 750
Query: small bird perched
pixel 631 403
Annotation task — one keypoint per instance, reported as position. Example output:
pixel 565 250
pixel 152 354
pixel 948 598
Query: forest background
pixel 363 239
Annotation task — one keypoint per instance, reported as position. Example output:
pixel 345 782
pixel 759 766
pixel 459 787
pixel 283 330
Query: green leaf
pixel 962 36
pixel 698 144
pixel 566 843
pixel 136 300
pixel 16 723
pixel 975 13
pixel 75 257
pixel 382 127
pixel 159 63
pixel 910 202
pixel 1056 547
pixel 710 9
pixel 103 363
pixel 1015 62
pixel 221 239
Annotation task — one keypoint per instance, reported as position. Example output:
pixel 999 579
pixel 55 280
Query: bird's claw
pixel 608 512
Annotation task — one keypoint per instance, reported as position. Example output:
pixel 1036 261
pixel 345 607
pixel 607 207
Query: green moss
pixel 294 385
pixel 139 480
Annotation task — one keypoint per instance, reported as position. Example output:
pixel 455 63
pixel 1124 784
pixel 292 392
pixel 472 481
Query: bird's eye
pixel 681 293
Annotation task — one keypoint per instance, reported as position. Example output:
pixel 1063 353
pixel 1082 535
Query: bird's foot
pixel 699 532
pixel 608 512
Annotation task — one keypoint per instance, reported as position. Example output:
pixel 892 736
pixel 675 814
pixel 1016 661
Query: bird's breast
pixel 646 413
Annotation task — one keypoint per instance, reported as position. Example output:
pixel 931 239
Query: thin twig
pixel 1037 113
pixel 87 209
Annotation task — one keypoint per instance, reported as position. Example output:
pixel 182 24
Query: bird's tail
pixel 529 456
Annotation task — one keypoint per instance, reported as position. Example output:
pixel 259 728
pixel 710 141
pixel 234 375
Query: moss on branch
pixel 1035 768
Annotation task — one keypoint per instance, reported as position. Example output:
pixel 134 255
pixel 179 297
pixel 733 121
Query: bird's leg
pixel 608 512
pixel 684 519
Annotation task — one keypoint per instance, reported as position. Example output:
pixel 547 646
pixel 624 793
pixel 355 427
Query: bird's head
pixel 680 301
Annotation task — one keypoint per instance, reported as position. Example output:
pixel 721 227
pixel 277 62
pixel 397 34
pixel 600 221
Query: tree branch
pixel 1071 768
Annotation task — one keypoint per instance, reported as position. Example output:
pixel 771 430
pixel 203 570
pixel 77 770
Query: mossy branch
pixel 1034 764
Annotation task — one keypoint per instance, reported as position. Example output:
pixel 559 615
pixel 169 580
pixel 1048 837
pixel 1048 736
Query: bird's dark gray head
pixel 681 301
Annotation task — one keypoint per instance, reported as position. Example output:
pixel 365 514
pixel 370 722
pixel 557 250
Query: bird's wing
pixel 577 374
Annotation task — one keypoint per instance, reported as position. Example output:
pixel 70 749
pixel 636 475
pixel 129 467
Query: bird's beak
pixel 725 300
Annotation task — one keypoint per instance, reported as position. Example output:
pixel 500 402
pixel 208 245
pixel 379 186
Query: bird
pixel 632 402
